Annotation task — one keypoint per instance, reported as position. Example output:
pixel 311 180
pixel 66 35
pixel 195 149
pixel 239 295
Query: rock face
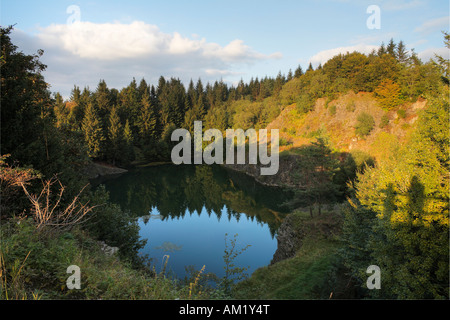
pixel 95 170
pixel 109 251
pixel 287 164
pixel 295 229
pixel 288 239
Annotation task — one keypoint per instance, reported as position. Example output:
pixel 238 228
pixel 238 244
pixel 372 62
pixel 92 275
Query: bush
pixel 351 106
pixel 384 121
pixel 388 94
pixel 401 113
pixel 332 110
pixel 284 142
pixel 365 125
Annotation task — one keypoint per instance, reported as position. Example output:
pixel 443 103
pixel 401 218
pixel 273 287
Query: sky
pixel 88 41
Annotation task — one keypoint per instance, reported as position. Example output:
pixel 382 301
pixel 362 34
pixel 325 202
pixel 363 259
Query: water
pixel 185 213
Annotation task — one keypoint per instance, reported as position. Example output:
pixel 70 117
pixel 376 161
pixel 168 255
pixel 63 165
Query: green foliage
pixel 24 97
pixel 232 272
pixel 306 274
pixel 384 121
pixel 401 113
pixel 402 207
pixel 93 132
pixel 365 124
pixel 284 142
pixel 117 228
pixel 350 106
pixel 332 110
pixel 388 94
pixel 314 175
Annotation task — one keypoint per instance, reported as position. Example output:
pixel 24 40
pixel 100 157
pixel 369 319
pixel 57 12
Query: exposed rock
pixel 109 251
pixel 283 177
pixel 289 241
pixel 295 229
pixel 95 170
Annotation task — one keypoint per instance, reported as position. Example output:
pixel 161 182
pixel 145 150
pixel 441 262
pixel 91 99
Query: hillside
pixel 337 119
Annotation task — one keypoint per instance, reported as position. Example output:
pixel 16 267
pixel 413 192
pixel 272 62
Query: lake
pixel 186 211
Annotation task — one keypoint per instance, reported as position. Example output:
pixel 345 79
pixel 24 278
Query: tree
pixel 391 48
pixel 24 97
pixel 402 53
pixel 315 173
pixel 408 236
pixel 102 101
pixel 61 112
pixel 147 121
pixel 93 133
pixel 444 64
pixel 298 72
pixel 128 150
pixel 388 94
pixel 364 125
pixel 115 136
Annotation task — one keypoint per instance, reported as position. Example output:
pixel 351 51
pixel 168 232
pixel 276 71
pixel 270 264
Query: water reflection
pixel 175 191
pixel 185 211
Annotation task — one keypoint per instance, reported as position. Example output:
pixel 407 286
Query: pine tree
pixel 147 121
pixel 391 48
pixel 93 133
pixel 290 75
pixel 115 135
pixel 402 53
pixel 128 150
pixel 61 112
pixel 298 72
pixel 102 101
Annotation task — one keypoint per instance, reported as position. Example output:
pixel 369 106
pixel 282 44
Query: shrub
pixel 384 121
pixel 401 113
pixel 364 125
pixel 332 110
pixel 351 106
pixel 388 94
pixel 284 142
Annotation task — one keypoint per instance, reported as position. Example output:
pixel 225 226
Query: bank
pixel 305 265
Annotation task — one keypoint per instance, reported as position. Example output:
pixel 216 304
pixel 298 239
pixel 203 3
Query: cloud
pixel 388 5
pixel 113 41
pixel 433 25
pixel 431 53
pixel 396 5
pixel 325 55
pixel 82 53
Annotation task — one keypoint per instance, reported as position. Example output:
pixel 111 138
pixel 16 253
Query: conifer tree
pixel 147 121
pixel 93 133
pixel 402 53
pixel 128 149
pixel 298 72
pixel 115 135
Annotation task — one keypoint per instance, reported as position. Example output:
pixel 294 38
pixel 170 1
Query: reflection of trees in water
pixel 179 190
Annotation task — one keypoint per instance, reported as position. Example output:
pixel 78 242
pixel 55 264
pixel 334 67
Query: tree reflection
pixel 174 191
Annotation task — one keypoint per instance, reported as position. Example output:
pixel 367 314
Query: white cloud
pixel 431 53
pixel 325 55
pixel 433 25
pixel 396 5
pixel 85 52
pixel 112 41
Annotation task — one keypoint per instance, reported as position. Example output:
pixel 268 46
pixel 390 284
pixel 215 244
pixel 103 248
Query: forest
pixel 394 210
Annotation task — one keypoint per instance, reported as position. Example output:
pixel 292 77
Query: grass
pixel 33 265
pixel 304 276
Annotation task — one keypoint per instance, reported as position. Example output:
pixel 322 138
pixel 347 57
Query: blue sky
pixel 211 40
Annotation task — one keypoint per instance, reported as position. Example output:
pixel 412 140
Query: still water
pixel 185 213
